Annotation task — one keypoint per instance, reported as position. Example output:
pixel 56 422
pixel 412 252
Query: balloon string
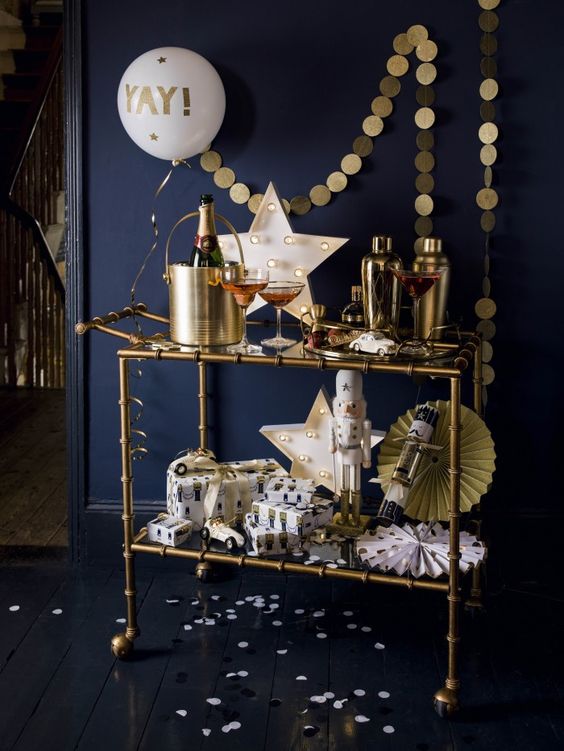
pixel 153 247
pixel 139 450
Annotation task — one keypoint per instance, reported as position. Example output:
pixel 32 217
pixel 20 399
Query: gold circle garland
pixel 414 40
pixel 487 197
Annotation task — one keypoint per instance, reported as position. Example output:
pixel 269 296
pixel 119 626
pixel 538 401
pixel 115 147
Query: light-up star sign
pixel 289 256
pixel 307 444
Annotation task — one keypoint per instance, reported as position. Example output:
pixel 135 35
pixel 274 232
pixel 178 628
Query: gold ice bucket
pixel 201 311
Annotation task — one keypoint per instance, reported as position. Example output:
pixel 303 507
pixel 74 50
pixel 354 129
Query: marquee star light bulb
pixel 307 444
pixel 272 237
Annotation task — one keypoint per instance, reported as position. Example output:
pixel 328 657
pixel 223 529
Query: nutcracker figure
pixel 350 440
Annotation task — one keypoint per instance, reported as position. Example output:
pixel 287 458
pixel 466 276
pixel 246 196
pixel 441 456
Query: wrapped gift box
pixel 199 488
pixel 299 519
pixel 168 530
pixel 267 541
pixel 289 490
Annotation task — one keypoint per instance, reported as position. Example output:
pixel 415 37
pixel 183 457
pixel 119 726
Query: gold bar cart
pixel 461 356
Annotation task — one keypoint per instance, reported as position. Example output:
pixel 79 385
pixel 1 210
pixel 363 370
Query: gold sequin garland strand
pixel 416 39
pixel 487 197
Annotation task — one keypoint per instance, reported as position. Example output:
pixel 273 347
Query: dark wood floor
pixel 60 687
pixel 33 498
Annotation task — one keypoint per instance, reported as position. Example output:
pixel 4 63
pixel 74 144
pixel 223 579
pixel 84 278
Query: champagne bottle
pixel 353 313
pixel 206 251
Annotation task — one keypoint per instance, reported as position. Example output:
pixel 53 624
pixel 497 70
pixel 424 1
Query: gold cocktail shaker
pixel 381 291
pixel 433 304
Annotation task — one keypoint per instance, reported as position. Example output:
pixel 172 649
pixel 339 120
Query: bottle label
pixel 206 243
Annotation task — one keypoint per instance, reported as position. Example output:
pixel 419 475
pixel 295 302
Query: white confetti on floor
pixel 389 729
pixel 341 561
pixel 366 629
pixel 276 623
pixel 181 712
pixel 299 611
pixel 281 651
pixel 243 673
pixel 329 695
pixel 274 597
pixel 301 678
pixel 195 602
pixel 187 627
pixel 243 644
pixel 57 611
pixel 231 675
pixel 206 731
pixel 352 626
pixel 214 701
pixel 239 602
pixel 321 635
pixel 216 597
pixel 231 617
pixel 318 613
pixel 361 718
pixel 172 601
pixel 384 694
pixel 318 699
pixel 121 620
pixel 14 608
pixel 231 726
pixel 359 692
pixel 348 613
pixel 379 645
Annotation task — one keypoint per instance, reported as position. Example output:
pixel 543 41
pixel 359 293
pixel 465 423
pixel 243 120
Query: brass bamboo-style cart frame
pixel 446 699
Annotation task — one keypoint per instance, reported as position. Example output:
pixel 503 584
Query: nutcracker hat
pixel 349 385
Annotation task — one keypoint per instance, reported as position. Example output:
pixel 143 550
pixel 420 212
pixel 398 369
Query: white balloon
pixel 171 102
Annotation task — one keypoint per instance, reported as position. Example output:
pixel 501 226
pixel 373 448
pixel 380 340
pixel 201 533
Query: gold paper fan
pixel 429 497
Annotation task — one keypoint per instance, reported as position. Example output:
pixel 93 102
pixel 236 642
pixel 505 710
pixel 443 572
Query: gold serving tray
pixel 342 352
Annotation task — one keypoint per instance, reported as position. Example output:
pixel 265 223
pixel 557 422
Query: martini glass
pixel 417 284
pixel 280 294
pixel 243 287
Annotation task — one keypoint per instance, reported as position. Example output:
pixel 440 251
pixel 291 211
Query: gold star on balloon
pixel 161 60
pixel 153 137
pixel 307 444
pixel 289 256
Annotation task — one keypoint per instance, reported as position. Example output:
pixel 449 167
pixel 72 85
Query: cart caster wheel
pixel 122 647
pixel 204 571
pixel 446 703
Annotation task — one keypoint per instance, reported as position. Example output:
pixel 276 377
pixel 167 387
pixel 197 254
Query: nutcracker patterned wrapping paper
pixel 169 531
pixel 199 488
pixel 268 541
pixel 300 519
pixel 289 490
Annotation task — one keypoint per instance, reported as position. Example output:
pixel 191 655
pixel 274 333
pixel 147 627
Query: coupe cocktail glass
pixel 416 284
pixel 243 287
pixel 280 294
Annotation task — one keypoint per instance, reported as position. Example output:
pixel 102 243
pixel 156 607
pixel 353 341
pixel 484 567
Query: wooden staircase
pixel 31 201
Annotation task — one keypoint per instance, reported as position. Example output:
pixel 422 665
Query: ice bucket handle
pixel 230 227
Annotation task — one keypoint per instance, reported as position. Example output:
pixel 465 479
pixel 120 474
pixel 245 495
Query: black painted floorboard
pixel 265 662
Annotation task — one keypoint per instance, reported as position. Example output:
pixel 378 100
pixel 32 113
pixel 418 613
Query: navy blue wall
pixel 299 79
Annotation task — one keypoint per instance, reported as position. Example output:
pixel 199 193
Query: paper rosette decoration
pixel 418 550
pixel 429 497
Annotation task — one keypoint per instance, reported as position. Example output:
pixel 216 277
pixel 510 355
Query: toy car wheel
pixel 381 352
pixel 231 543
pixel 180 469
pixel 205 533
pixel 356 347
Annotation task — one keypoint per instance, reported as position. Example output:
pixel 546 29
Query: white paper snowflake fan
pixel 429 497
pixel 419 550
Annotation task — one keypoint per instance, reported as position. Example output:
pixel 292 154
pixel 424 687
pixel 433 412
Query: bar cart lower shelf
pixel 458 357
